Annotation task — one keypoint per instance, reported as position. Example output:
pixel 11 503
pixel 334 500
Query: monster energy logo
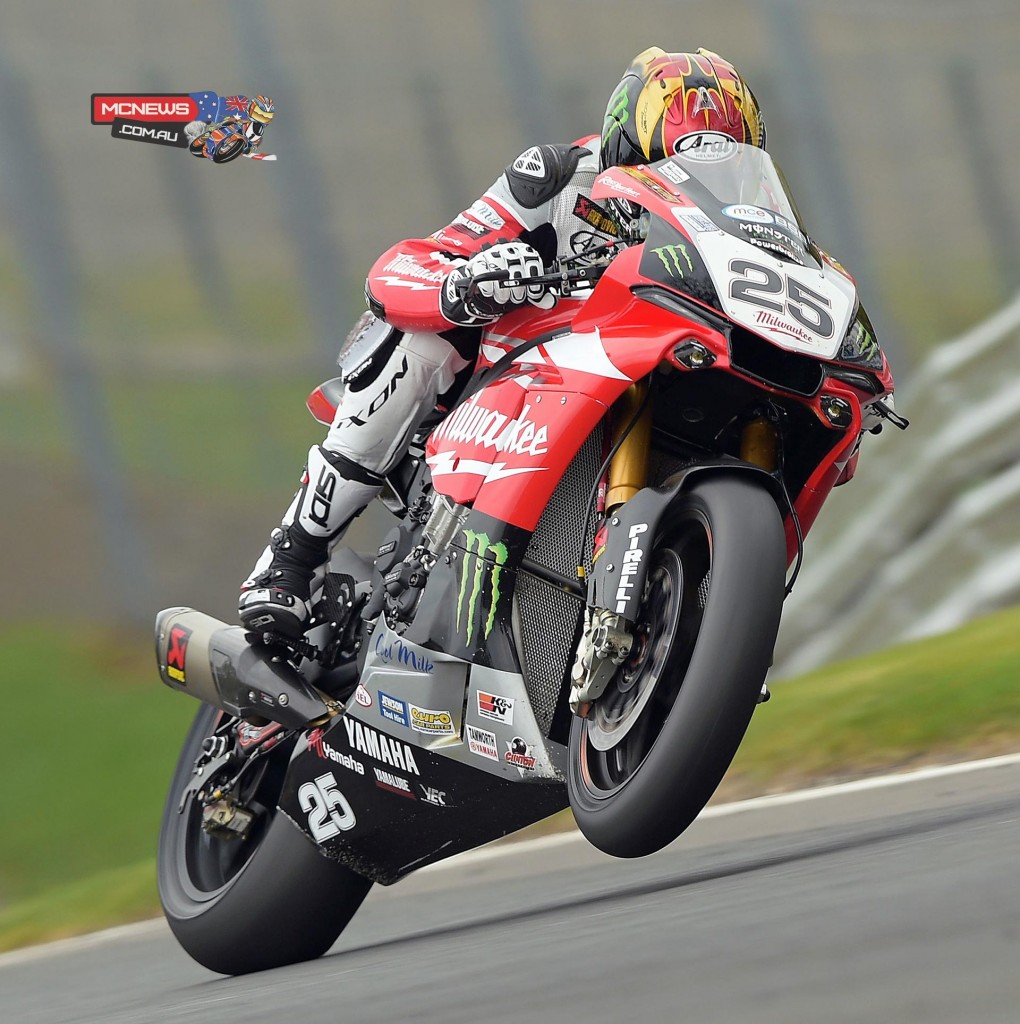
pixel 670 256
pixel 473 574
pixel 616 112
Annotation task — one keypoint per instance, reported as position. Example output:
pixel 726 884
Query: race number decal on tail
pixel 327 808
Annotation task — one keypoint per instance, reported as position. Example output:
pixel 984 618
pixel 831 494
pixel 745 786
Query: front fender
pixel 618 579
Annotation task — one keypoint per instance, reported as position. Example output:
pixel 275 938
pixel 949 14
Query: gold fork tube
pixel 758 444
pixel 628 472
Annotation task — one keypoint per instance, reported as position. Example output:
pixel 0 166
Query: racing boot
pixel 276 598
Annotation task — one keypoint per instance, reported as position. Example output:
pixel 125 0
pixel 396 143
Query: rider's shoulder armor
pixel 541 172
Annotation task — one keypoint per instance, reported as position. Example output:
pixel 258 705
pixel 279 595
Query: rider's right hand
pixel 469 302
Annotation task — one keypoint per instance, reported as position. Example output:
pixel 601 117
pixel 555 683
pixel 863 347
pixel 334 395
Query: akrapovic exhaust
pixel 202 656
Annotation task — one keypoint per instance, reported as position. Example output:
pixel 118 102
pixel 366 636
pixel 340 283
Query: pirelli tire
pixel 655 746
pixel 238 906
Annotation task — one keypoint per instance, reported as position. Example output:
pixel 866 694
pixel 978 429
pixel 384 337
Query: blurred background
pixel 162 319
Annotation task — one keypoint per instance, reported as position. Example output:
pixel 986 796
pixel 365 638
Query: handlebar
pixel 563 279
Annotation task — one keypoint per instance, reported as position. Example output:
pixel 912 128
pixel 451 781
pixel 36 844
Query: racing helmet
pixel 261 109
pixel 663 97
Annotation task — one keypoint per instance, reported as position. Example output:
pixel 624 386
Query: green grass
pixel 90 743
pixel 950 696
pixel 95 738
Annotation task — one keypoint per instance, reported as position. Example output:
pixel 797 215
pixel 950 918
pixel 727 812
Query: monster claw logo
pixel 670 256
pixel 474 572
pixel 617 111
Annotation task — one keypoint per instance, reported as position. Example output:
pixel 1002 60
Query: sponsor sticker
pixel 379 746
pixel 176 653
pixel 431 795
pixel 393 709
pixel 395 651
pixel 483 212
pixel 362 697
pixel 431 723
pixel 393 783
pixel 630 566
pixel 518 753
pixel 625 190
pixel 482 742
pixel 741 212
pixel 466 222
pixel 595 216
pixel 496 707
pixel 671 172
pixel 319 746
pixel 695 221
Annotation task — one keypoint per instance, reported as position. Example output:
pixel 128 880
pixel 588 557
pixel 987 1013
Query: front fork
pixel 607 638
pixel 608 635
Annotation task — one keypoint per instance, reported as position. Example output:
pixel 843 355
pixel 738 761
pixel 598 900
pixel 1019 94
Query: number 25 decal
pixel 807 307
pixel 327 808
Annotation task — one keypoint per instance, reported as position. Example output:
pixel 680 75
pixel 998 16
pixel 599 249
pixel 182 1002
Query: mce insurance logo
pixel 209 126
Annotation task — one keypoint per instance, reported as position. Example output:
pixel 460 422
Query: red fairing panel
pixel 406 280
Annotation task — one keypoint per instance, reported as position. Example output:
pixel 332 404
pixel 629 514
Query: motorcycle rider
pixel 260 113
pixel 422 330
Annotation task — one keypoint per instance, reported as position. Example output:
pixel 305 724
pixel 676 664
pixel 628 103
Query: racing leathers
pixel 423 329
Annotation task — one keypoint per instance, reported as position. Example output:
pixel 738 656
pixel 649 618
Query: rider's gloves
pixel 485 301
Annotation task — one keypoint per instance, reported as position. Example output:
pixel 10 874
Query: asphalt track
pixel 891 903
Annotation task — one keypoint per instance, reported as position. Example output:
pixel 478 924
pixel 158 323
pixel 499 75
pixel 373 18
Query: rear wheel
pixel 656 744
pixel 242 905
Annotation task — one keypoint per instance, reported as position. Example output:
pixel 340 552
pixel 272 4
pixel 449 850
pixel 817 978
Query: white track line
pixel 157 926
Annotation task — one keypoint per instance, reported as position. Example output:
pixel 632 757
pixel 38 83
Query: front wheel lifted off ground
pixel 656 744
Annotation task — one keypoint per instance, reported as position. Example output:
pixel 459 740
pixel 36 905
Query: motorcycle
pixel 578 601
pixel 222 143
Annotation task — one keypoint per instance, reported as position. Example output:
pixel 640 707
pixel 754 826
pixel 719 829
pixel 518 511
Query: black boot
pixel 276 598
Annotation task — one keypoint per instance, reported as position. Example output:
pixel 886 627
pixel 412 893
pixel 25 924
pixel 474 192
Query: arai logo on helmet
pixel 705 146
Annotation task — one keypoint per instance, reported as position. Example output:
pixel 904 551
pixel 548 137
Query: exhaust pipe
pixel 204 657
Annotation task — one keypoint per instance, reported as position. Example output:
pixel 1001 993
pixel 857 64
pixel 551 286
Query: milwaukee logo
pixel 474 424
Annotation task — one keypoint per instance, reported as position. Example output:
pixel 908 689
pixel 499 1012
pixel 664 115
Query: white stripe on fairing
pixel 157 926
pixel 584 352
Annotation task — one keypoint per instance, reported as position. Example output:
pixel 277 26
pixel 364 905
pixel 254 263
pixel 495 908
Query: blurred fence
pixel 927 535
pixel 161 319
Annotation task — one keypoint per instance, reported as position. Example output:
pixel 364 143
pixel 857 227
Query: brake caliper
pixel 604 647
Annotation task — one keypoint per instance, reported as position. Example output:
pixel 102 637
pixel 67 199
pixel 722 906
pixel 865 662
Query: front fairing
pixel 724 230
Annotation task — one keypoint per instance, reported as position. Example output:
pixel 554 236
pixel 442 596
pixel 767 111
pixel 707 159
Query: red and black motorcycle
pixel 579 598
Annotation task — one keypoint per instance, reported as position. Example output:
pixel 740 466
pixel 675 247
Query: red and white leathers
pixel 542 199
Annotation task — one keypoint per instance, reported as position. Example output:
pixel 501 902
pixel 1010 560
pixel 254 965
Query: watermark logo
pixel 210 126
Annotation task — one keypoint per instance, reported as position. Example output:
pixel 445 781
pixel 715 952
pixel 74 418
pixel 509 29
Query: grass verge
pixel 941 699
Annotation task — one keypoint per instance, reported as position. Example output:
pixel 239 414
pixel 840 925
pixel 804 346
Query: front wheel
pixel 242 905
pixel 656 744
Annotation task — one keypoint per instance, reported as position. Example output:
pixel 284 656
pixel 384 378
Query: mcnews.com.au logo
pixel 209 126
